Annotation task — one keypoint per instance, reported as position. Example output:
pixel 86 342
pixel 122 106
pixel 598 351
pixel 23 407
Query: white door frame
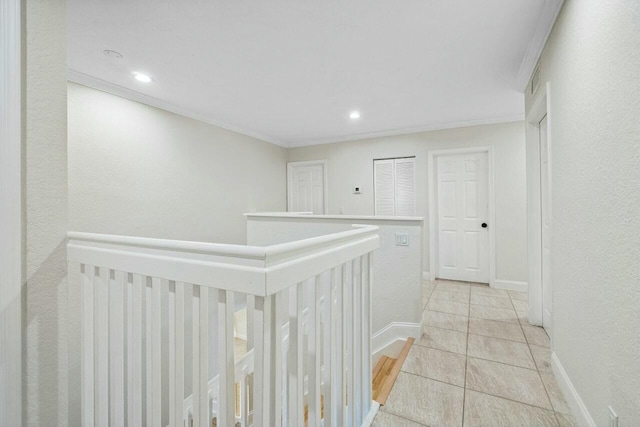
pixel 325 184
pixel 539 108
pixel 433 220
pixel 11 213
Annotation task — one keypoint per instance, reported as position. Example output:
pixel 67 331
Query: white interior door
pixel 463 214
pixel 545 207
pixel 306 187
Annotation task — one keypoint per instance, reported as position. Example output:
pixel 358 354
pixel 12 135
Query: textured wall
pixel 45 213
pixel 140 171
pixel 351 164
pixel 592 62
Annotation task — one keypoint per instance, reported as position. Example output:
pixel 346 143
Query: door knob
pixel 484 225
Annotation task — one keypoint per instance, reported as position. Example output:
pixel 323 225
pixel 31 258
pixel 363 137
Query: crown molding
pixel 548 17
pixel 406 131
pixel 105 86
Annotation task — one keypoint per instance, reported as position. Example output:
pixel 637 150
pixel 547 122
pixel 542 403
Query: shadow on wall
pixel 44 349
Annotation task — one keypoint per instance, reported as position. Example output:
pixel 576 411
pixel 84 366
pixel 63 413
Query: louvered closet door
pixel 463 245
pixel 405 187
pixel 384 187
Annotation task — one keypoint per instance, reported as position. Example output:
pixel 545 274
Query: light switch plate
pixel 402 239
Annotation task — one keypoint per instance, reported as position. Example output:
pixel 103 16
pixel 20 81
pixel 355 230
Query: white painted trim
pixel 548 17
pixel 253 270
pixel 325 174
pixel 11 213
pixel 105 86
pixel 580 411
pixel 373 411
pixel 393 332
pixel 406 131
pixel 538 109
pixel 426 275
pixel 347 217
pixel 511 285
pixel 433 225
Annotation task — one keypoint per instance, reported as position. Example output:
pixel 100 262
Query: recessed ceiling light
pixel 112 54
pixel 142 77
pixel 354 115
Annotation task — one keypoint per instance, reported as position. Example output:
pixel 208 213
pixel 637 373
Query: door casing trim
pixel 540 107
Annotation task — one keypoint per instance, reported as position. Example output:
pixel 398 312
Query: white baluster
pixel 116 347
pixel 87 345
pixel 341 364
pixel 295 368
pixel 243 401
pixel 279 312
pixel 205 413
pixel 156 348
pixel 250 321
pixel 195 360
pixel 226 409
pixel 328 348
pixel 178 362
pixel 366 332
pixel 134 350
pixel 101 281
pixel 148 350
pixel 351 361
pixel 357 341
pixel 171 314
pixel 262 363
pixel 315 351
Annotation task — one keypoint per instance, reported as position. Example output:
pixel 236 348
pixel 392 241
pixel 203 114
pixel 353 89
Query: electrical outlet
pixel 402 239
pixel 613 418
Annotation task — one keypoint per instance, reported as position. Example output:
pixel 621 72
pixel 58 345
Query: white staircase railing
pixel 157 331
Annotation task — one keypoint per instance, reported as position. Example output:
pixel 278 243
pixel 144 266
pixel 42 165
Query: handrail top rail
pixel 222 249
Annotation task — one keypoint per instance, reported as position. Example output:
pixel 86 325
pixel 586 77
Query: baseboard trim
pixel 373 411
pixel 393 332
pixel 580 411
pixel 426 275
pixel 511 285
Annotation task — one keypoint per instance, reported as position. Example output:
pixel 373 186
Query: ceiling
pixel 290 72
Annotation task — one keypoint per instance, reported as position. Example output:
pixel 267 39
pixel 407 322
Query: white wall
pixel 45 214
pixel 592 61
pixel 351 164
pixel 141 171
pixel 396 291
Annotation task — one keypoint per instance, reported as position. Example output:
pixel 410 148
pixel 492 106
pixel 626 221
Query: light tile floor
pixel 478 363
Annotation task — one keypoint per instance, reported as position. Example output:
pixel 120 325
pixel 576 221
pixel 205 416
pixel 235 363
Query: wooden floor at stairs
pixel 386 372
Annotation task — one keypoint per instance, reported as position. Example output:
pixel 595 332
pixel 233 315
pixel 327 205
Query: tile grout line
pixel 513 400
pixel 474 333
pixel 544 387
pixel 466 360
pixel 404 418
